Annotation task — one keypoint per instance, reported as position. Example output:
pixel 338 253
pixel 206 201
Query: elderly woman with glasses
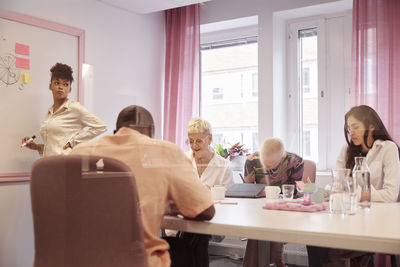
pixel 211 167
pixel 192 249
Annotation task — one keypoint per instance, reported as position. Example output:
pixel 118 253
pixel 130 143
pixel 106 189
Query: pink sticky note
pixel 22 49
pixel 22 63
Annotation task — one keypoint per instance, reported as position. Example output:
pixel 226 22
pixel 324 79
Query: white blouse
pixel 217 172
pixel 383 162
pixel 66 125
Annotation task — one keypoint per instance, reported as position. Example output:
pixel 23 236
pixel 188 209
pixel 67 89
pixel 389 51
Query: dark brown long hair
pixel 367 116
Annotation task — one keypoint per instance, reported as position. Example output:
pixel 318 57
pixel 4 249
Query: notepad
pixel 245 190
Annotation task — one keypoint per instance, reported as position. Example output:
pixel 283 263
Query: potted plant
pixel 235 153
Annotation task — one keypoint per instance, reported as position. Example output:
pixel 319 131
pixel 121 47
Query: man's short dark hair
pixel 61 71
pixel 135 117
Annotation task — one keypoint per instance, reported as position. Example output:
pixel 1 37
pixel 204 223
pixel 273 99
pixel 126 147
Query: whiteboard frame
pixel 57 27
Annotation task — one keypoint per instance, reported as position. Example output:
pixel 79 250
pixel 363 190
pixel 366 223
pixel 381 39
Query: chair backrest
pixel 398 196
pixel 310 171
pixel 85 215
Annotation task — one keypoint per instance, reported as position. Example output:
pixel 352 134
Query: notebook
pixel 245 190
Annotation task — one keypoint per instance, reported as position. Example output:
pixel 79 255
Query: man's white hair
pixel 272 149
pixel 198 126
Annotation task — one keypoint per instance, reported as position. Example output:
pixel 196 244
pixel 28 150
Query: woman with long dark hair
pixel 366 135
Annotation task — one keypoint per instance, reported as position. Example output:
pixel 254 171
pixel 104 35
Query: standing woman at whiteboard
pixel 62 128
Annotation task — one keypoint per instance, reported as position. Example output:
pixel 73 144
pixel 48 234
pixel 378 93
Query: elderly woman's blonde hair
pixel 272 149
pixel 198 126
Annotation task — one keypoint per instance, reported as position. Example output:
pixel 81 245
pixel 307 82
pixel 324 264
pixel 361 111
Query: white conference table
pixel 374 230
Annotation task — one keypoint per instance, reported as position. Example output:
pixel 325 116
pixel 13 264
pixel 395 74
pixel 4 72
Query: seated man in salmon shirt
pixel 162 172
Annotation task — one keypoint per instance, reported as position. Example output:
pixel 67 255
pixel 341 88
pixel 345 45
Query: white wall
pixel 126 52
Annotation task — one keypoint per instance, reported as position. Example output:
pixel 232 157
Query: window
pixel 255 141
pixel 218 138
pixel 229 90
pixel 254 84
pixel 306 79
pixel 306 107
pixel 308 58
pixel 217 93
pixel 307 143
pixel 318 64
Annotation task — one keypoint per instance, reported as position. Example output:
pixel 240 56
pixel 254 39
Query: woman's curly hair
pixel 61 71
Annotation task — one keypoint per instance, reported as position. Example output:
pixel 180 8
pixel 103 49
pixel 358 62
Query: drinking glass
pixel 350 191
pixel 338 191
pixel 288 191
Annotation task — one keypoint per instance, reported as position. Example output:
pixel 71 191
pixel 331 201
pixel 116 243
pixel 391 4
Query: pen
pixel 227 202
pixel 241 177
pixel 28 141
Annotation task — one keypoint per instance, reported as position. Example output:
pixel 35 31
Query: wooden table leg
pixel 263 253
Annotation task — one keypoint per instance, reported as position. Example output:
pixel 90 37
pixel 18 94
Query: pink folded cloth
pixel 296 206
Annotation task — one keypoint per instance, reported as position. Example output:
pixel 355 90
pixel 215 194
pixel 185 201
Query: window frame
pixel 294 95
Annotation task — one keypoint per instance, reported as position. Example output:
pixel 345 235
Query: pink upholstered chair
pixel 310 171
pixel 85 215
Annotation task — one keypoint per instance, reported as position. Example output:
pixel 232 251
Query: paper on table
pixel 225 202
pixel 306 187
pixel 292 206
pixel 318 196
pixel 309 187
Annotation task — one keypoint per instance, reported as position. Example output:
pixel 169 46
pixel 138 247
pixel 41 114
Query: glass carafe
pixel 362 175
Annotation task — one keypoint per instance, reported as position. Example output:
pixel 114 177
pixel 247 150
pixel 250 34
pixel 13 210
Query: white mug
pixel 272 192
pixel 218 192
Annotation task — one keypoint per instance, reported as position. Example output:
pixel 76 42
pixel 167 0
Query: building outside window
pixel 217 93
pixel 254 85
pixel 229 91
pixel 306 79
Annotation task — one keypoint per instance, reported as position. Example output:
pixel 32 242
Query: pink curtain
pixel 182 71
pixel 376 59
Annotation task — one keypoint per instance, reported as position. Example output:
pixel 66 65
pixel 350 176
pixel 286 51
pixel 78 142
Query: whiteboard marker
pixel 28 141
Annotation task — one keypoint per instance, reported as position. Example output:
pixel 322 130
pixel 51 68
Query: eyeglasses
pixel 353 128
pixel 198 141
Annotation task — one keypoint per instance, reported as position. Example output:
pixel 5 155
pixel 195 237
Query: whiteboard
pixel 23 106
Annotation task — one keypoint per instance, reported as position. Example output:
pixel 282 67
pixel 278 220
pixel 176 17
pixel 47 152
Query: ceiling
pixel 149 6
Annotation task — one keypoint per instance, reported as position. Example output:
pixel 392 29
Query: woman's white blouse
pixel 383 162
pixel 66 125
pixel 217 172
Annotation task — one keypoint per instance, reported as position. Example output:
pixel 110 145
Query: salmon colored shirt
pixel 163 173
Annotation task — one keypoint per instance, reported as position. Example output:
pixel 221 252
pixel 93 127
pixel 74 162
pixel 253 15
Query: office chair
pixel 85 215
pixel 310 171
